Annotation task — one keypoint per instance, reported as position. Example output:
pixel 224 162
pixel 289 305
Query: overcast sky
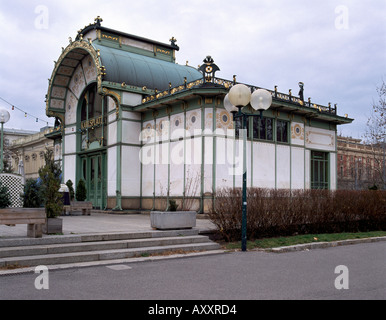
pixel 336 47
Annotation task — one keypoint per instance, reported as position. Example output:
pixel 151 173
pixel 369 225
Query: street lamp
pixel 4 117
pixel 238 97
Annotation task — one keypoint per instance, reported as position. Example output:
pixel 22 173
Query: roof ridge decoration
pixel 208 69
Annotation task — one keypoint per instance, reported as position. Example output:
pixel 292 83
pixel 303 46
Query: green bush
pixel 284 212
pixel 69 184
pixel 32 195
pixel 5 197
pixel 50 178
pixel 173 205
pixel 81 192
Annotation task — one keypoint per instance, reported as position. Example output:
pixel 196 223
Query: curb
pixel 321 245
pixel 111 262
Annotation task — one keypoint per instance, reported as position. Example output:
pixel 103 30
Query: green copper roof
pixel 139 70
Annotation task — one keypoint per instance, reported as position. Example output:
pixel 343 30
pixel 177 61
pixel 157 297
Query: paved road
pixel 231 276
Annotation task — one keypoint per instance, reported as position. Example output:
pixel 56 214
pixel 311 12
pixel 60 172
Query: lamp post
pixel 4 117
pixel 238 97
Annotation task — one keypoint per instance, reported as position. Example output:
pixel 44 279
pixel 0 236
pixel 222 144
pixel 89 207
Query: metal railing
pixel 278 96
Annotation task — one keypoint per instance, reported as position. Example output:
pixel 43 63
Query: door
pixel 94 173
pixel 319 170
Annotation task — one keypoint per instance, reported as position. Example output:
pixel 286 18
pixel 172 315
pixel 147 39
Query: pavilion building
pixel 141 129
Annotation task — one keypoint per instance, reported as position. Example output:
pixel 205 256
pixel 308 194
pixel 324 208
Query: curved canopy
pixel 140 70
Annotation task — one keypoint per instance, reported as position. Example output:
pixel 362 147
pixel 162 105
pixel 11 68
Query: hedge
pixel 283 212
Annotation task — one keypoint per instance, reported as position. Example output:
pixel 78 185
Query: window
pixel 282 131
pixel 262 128
pixel 239 126
pixel 93 119
pixel 319 170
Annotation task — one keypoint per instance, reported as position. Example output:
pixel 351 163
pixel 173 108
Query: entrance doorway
pixel 94 174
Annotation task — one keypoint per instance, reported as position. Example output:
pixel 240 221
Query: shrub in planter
pixel 50 184
pixel 5 197
pixel 69 184
pixel 32 194
pixel 81 192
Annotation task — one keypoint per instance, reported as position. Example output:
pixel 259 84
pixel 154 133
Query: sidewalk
pixel 99 222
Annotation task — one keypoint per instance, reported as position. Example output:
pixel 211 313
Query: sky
pixel 337 48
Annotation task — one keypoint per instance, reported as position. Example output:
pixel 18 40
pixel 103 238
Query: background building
pixel 28 152
pixel 10 136
pixel 360 165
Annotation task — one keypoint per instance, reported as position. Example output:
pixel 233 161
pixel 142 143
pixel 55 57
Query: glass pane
pixel 238 126
pixel 262 128
pixel 269 128
pixel 256 122
pixel 285 132
pixel 84 171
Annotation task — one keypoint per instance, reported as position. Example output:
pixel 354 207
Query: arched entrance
pixel 91 145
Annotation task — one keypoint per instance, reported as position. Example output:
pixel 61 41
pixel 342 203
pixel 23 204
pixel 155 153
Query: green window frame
pixel 262 129
pixel 282 131
pixel 320 170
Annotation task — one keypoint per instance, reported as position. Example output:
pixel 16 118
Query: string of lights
pixel 26 114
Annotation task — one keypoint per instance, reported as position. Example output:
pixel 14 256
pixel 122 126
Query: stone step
pixel 98 245
pixel 17 242
pixel 102 255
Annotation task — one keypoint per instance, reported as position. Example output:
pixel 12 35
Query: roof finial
pixel 173 41
pixel 98 21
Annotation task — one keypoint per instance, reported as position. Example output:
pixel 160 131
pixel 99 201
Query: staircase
pixel 73 249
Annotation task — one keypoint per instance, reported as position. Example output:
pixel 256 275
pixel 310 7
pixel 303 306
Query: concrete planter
pixel 52 226
pixel 166 220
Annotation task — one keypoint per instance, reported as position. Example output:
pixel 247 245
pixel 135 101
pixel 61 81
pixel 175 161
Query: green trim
pixel 118 206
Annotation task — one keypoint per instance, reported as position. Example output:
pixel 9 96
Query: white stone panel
pixel 131 172
pixel 69 143
pixel 112 134
pixel 283 167
pixel 297 133
pixel 263 165
pixel 131 99
pixel 177 126
pixel 147 179
pixel 162 128
pixel 320 139
pixel 148 132
pixel 297 170
pixel 111 105
pixel 69 168
pixel 333 171
pixel 132 115
pixel 208 119
pixel 193 121
pixel 89 69
pixel 77 83
pixel 307 169
pixel 177 169
pixel 111 171
pixel 71 107
pixel 224 162
pixel 131 132
pixel 208 164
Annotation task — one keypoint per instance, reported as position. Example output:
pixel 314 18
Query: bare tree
pixel 375 134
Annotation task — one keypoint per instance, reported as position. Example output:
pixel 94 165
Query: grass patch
pixel 301 239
